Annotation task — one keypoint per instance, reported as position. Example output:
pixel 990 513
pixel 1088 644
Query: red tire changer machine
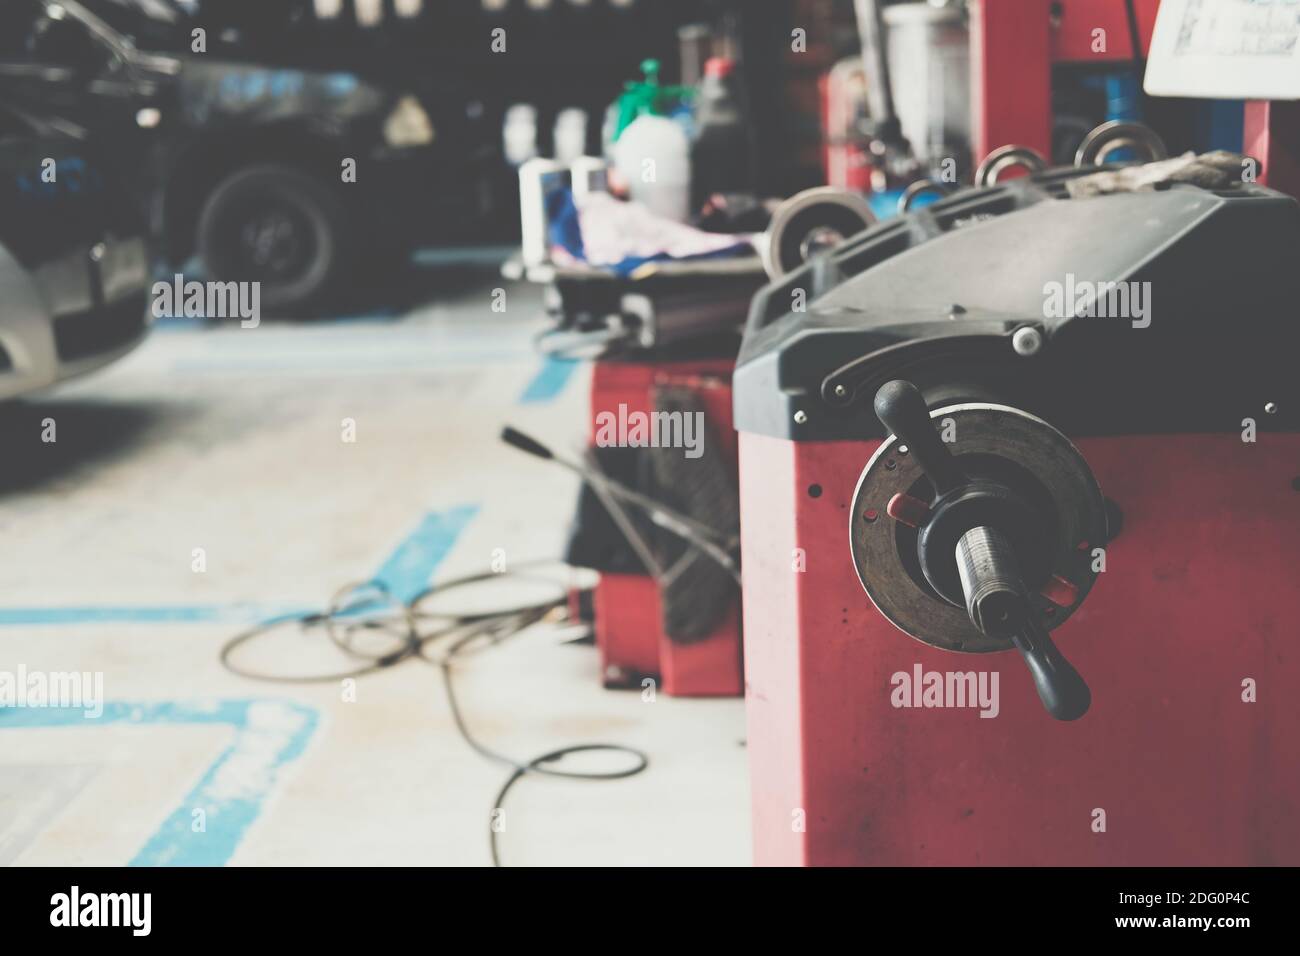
pixel 662 610
pixel 973 640
pixel 659 523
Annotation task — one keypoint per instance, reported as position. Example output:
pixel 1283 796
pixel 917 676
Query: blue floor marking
pixel 549 380
pixel 406 572
pixel 410 567
pixel 268 734
pixel 161 614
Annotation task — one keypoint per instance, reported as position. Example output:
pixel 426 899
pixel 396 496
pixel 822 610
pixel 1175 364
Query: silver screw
pixel 1027 340
pixel 1271 408
pixel 841 391
pixel 800 417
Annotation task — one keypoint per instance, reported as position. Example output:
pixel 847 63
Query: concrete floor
pixel 229 440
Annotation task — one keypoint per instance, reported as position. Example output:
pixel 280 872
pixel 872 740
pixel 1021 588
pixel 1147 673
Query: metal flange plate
pixel 985 430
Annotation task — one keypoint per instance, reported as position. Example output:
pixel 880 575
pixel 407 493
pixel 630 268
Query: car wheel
pixel 277 226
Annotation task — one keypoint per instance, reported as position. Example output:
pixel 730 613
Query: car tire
pixel 278 226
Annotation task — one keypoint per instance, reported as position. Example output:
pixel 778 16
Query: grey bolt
pixel 800 417
pixel 1027 340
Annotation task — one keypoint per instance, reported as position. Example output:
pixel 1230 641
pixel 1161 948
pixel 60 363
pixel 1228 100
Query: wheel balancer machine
pixel 911 505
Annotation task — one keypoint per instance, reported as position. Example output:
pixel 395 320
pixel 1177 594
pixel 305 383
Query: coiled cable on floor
pixel 370 607
pixel 327 620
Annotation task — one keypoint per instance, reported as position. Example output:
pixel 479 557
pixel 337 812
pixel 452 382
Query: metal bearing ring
pixel 1008 157
pixel 809 222
pixel 1115 135
pixel 918 189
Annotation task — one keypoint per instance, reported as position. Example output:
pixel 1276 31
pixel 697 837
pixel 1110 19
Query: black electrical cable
pixel 345 616
pixel 304 621
pixel 537 765
pixel 410 644
pixel 351 610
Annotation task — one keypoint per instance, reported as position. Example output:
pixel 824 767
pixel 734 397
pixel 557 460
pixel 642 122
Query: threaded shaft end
pixel 990 580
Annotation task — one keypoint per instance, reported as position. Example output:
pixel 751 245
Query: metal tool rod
pixel 999 605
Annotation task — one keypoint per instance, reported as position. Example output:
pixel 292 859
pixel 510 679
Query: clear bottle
pixel 653 156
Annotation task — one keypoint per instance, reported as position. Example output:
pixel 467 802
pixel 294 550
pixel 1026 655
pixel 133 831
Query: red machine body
pixel 1271 134
pixel 1199 595
pixel 1014 46
pixel 629 633
pixel 1183 429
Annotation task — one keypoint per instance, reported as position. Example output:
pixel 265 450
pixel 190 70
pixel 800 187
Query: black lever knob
pixel 998 604
pixel 902 410
pixel 1060 687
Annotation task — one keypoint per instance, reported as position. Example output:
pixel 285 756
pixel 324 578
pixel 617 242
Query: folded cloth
pixel 1219 169
pixel 623 235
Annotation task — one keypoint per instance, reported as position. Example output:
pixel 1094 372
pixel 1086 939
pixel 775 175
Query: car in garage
pixel 74 270
pixel 288 176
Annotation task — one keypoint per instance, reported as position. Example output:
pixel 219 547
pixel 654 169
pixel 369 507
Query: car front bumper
pixel 72 314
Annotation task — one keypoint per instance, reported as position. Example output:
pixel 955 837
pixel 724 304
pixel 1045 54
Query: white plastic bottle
pixel 653 156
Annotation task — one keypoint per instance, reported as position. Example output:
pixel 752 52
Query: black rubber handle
pixel 902 410
pixel 517 439
pixel 1062 691
pixel 998 604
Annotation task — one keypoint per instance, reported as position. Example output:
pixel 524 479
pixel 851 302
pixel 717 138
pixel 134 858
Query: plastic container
pixel 928 49
pixel 539 180
pixel 653 156
pixel 519 134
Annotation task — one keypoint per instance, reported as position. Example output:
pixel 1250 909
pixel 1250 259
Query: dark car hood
pixel 79 201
